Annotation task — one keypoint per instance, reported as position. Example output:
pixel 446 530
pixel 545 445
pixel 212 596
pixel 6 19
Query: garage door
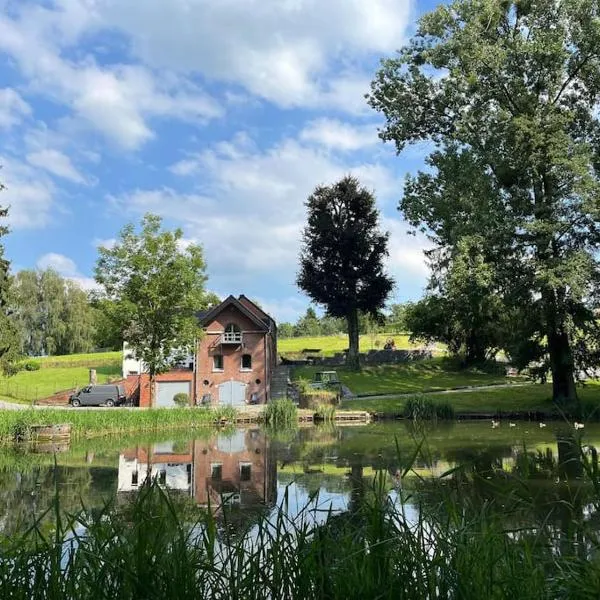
pixel 232 393
pixel 166 390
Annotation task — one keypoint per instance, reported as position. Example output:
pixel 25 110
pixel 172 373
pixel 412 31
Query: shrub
pixel 30 365
pixel 181 399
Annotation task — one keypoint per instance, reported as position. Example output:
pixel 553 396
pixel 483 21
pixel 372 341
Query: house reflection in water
pixel 237 470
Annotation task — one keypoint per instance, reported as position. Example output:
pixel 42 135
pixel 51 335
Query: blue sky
pixel 219 115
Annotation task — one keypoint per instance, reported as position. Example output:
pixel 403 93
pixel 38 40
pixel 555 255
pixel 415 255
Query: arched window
pixel 246 362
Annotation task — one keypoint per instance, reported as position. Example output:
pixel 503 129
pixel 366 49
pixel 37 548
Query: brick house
pixel 233 364
pixel 237 355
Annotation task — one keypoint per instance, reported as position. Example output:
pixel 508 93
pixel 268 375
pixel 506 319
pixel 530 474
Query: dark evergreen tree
pixel 341 262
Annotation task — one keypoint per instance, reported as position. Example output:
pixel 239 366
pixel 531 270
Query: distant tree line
pixel 392 320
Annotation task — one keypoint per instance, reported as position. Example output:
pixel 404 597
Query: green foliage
pixel 463 308
pixel 325 412
pixel 30 365
pixel 52 313
pixel 9 344
pixel 157 288
pixel 281 414
pixel 508 93
pixel 420 408
pixel 341 263
pixel 181 399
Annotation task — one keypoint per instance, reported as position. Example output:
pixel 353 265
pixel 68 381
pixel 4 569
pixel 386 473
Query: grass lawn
pixel 59 373
pixel 416 377
pixel 534 397
pixel 332 344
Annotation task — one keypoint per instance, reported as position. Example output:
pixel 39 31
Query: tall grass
pixel 281 414
pixel 96 422
pixel 419 408
pixel 455 547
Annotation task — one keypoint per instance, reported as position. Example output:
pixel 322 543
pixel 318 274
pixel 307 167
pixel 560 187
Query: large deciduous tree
pixel 9 341
pixel 53 314
pixel 341 262
pixel 508 92
pixel 157 286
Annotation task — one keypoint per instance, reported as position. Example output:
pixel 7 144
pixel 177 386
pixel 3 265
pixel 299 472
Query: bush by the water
pixel 419 408
pixel 281 413
pixel 181 399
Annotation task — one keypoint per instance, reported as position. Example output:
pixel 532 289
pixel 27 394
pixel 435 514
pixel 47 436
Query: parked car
pixel 99 395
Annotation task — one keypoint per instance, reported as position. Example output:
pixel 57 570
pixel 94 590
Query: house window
pixel 162 478
pixel 246 362
pixel 216 471
pixel 245 471
pixel 218 362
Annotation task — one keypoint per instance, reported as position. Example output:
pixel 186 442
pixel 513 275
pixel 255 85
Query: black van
pixel 99 395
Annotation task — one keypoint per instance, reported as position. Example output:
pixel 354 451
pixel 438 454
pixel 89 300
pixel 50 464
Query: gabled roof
pixel 207 317
pixel 257 310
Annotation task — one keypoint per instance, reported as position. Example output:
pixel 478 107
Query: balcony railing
pixel 231 337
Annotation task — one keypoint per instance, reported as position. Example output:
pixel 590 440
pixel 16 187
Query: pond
pixel 254 472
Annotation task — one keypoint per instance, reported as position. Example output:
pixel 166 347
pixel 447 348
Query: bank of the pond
pixel 88 423
pixel 525 401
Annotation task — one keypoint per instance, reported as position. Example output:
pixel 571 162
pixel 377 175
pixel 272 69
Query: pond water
pixel 255 472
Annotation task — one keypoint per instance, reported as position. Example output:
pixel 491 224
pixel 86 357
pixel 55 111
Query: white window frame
pixel 245 369
pixel 214 368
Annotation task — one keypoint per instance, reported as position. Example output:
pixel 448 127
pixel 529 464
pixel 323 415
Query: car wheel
pixel 110 402
pixel 75 403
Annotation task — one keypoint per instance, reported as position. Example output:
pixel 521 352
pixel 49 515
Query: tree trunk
pixel 352 358
pixel 561 356
pixel 561 363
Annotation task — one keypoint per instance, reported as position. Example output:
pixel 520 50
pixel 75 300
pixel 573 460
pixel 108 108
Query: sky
pixel 219 115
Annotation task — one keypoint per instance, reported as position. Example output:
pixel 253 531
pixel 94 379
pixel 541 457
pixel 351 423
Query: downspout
pixel 267 385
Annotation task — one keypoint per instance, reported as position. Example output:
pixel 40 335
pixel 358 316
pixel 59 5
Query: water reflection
pixel 523 474
pixel 237 470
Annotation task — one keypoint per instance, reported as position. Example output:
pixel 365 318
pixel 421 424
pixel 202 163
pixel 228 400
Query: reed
pixel 100 422
pixel 281 414
pixel 419 408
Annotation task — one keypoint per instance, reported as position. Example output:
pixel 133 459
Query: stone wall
pixel 376 357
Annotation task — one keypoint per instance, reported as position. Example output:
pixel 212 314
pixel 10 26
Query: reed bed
pixel 84 423
pixel 281 414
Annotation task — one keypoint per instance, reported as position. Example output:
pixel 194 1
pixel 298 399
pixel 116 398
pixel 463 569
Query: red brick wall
pixel 143 381
pixel 253 344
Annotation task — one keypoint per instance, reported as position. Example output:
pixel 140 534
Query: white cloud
pixel 290 52
pixel 59 262
pixel 337 135
pixel 12 108
pixel 406 262
pixel 29 194
pixel 280 50
pixel 116 100
pixel 67 268
pixel 251 211
pixel 107 243
pixel 57 163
